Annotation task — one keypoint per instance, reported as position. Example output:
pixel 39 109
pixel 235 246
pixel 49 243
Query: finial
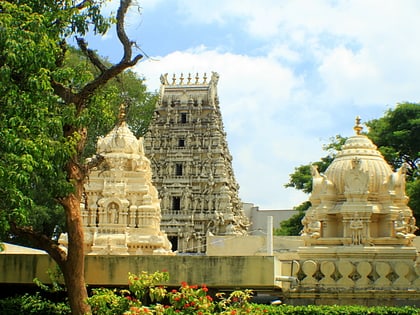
pixel 358 127
pixel 122 114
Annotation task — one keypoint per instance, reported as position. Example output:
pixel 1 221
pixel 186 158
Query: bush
pixel 33 304
pixel 146 295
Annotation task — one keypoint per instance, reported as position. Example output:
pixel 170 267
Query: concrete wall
pixel 218 272
pixel 250 245
pixel 259 218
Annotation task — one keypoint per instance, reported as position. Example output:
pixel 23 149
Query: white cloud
pixel 319 64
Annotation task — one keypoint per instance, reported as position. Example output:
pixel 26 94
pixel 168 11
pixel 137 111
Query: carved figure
pixel 311 227
pixel 186 198
pixel 112 214
pixel 404 229
pixel 356 181
pixel 356 227
pixel 397 183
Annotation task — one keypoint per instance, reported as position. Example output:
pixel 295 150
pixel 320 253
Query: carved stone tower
pixel 121 214
pixel 192 166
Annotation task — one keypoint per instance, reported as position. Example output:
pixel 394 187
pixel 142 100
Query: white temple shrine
pixel 121 213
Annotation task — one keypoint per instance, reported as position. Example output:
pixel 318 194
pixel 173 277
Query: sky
pixel 293 73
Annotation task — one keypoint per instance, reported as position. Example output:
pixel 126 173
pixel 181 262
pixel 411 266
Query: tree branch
pixel 80 98
pixel 40 241
pixel 90 54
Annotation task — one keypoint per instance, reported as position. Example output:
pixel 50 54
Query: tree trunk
pixel 74 267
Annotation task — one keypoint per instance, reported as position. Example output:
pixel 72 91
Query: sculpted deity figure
pixel 186 198
pixel 311 226
pixel 404 228
pixel 112 213
pixel 165 198
pixel 356 227
pixel 356 181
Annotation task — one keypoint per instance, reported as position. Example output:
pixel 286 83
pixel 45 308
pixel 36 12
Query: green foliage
pixel 143 286
pixel 32 118
pixel 33 304
pixel 333 310
pixel 56 279
pixel 107 302
pixel 396 134
pixel 33 150
pixel 146 295
pixel 293 225
pixel 301 178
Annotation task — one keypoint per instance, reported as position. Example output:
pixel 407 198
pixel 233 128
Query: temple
pixel 359 200
pixel 121 213
pixel 192 165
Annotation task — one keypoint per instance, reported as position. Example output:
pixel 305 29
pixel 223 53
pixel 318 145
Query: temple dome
pixel 372 162
pixel 119 140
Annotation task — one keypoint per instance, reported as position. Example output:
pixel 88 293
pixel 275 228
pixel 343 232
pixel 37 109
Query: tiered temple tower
pixel 121 213
pixel 192 167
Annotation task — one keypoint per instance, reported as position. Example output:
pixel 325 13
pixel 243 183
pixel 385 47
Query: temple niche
pixel 359 200
pixel 121 212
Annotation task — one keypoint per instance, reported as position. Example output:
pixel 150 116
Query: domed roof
pixel 359 147
pixel 120 139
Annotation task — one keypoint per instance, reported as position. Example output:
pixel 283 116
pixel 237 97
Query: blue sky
pixel 293 73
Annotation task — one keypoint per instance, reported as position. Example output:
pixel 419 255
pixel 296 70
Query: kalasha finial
pixel 358 127
pixel 122 114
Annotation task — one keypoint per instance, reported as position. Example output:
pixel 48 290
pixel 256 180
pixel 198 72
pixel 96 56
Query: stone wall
pixel 256 272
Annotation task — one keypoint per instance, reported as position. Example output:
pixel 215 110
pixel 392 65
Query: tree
pixel 44 114
pixel 397 136
pixel 293 225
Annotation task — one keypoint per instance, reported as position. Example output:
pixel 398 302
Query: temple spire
pixel 122 114
pixel 358 127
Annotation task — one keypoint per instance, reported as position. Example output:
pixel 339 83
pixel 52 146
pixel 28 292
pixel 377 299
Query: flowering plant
pixel 190 300
pixel 146 295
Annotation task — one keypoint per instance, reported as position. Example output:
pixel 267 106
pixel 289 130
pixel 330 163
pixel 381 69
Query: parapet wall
pixel 256 272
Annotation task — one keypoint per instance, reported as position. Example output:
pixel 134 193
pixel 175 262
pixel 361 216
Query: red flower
pixel 184 284
pixel 233 312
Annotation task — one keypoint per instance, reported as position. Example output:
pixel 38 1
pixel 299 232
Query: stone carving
pixel 356 227
pixel 356 181
pixel 122 209
pixel 359 200
pixel 405 228
pixel 358 231
pixel 194 176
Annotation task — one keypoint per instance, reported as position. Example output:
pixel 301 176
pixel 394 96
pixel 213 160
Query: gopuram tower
pixel 192 167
